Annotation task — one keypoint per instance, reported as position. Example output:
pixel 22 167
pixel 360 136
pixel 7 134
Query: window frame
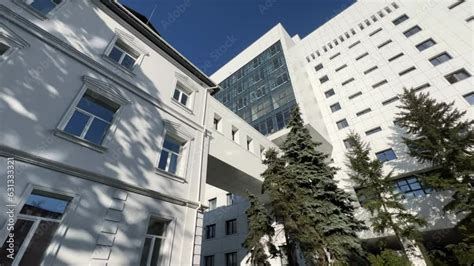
pixel 129 41
pixel 408 33
pixel 452 74
pixel 106 91
pixel 233 224
pixel 166 245
pixel 214 200
pixel 435 60
pixel 12 40
pixel 210 234
pixel 422 44
pixel 182 161
pixel 469 94
pixel 384 153
pixel 35 12
pixel 183 89
pixel 54 245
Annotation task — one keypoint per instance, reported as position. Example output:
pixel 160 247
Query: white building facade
pixel 346 76
pixel 106 138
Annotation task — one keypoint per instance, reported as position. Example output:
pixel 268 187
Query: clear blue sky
pixel 211 32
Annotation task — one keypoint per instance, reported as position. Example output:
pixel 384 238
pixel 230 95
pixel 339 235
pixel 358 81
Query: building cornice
pixel 25 157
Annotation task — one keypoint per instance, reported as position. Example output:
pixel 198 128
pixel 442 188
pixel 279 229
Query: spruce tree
pixel 260 227
pixel 384 204
pixel 317 216
pixel 439 136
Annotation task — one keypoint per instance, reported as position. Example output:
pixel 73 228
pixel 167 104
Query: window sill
pixel 170 175
pixel 64 135
pixel 184 107
pixel 119 66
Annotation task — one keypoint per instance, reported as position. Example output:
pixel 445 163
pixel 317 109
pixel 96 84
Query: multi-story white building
pixel 346 76
pixel 107 139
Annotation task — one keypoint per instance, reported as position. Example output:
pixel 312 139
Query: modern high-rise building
pixel 346 76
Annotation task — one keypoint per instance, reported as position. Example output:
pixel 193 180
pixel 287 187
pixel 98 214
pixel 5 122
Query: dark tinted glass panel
pixel 77 123
pixel 115 54
pixel 156 228
pixel 39 243
pixel 145 252
pixel 21 229
pixel 156 252
pixel 3 48
pixel 97 131
pixel 171 145
pixel 45 6
pixel 128 61
pixel 98 106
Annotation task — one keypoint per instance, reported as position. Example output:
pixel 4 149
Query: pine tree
pixel 385 205
pixel 439 136
pixel 260 226
pixel 317 215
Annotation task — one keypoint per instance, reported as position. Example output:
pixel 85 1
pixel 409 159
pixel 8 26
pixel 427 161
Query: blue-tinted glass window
pixel 386 155
pixel 260 92
pixel 170 154
pixel 91 118
pixel 44 205
pixel 469 98
pixel 411 187
pixel 44 6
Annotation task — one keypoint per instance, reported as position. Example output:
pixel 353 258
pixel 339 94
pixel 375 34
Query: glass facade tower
pixel 261 92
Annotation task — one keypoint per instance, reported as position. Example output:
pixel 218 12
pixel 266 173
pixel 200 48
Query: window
pixel 406 71
pixel 230 199
pixel 123 54
pixel 370 70
pixel 91 117
pixel 231 227
pixel 155 238
pixel 329 93
pixel 386 155
pixel 325 49
pixel 455 4
pixel 353 31
pixel 355 95
pixel 412 31
pixel 43 6
pixel 231 259
pixel 341 67
pixel 439 59
pixel 395 57
pixel 318 67
pixel 341 38
pixel 378 84
pixel 374 18
pixel 317 53
pixel 347 143
pixel 388 9
pixel 347 81
pixel 381 14
pixel 347 35
pixel 394 5
pixel 307 59
pixel 3 48
pixel 411 187
pixel 425 45
pixel 342 124
pixel 362 56
pixel 354 44
pixel 249 144
pixel 181 96
pixel 363 112
pixel 170 155
pixel 235 134
pixel 323 79
pixel 336 42
pixel 373 130
pixel 391 100
pixel 335 107
pixel 210 231
pixel 361 26
pixel 422 86
pixel 469 98
pixel 400 19
pixel 209 260
pixel 212 204
pixel 216 123
pixel 330 45
pixel 242 102
pixel 384 43
pixel 375 32
pixel 458 75
pixel 470 19
pixel 334 56
pixel 312 56
pixel 367 22
pixel 35 227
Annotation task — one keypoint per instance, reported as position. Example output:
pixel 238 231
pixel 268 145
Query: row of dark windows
pixel 230 259
pixel 230 229
pixel 340 39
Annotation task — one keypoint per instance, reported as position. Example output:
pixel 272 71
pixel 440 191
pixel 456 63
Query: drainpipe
pixel 201 161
